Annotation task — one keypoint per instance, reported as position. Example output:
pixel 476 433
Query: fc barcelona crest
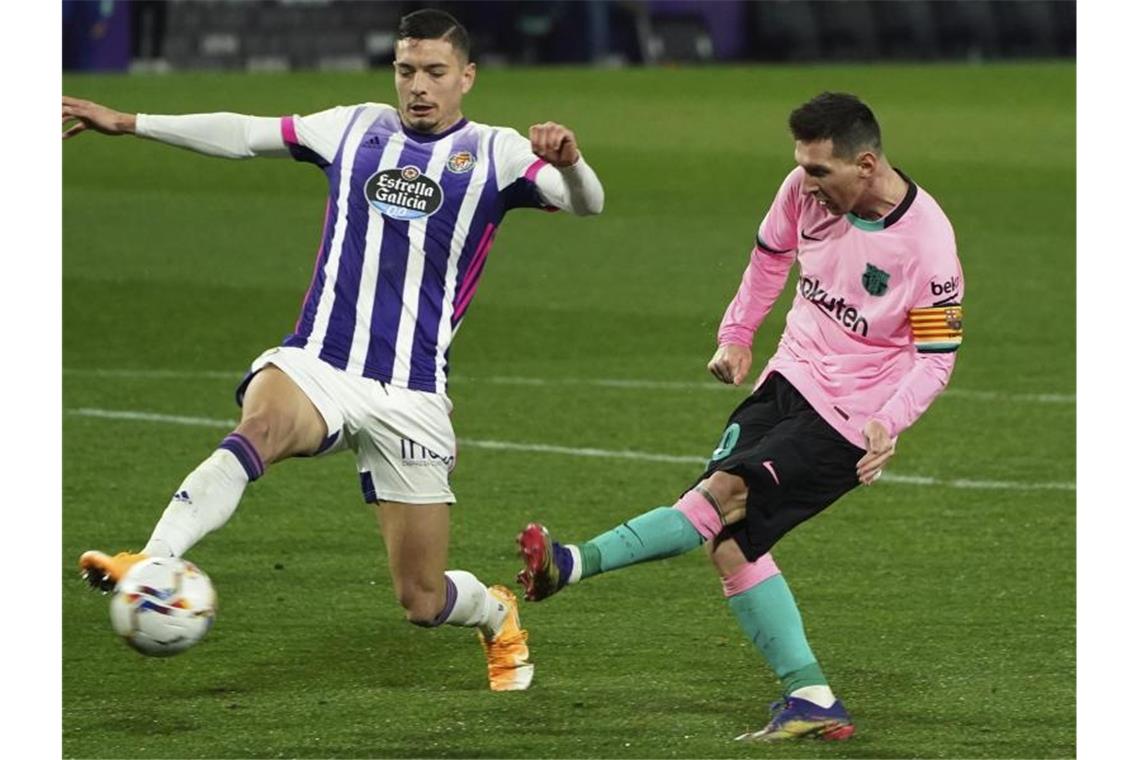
pixel 875 280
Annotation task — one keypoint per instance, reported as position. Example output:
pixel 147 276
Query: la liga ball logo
pixel 404 193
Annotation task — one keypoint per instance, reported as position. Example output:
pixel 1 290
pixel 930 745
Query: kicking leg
pixel 717 500
pixel 416 536
pixel 278 421
pixel 659 533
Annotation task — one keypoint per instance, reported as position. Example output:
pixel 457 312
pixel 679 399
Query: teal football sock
pixel 768 614
pixel 659 533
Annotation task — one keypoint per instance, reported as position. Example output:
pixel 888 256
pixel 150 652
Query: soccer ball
pixel 163 606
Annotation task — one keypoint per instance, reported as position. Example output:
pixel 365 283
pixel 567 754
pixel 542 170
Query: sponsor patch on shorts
pixel 413 454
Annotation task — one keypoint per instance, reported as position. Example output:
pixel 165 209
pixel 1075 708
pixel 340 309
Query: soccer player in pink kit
pixel 416 193
pixel 869 344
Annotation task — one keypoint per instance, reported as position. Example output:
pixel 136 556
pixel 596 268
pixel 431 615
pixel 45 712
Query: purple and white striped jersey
pixel 409 221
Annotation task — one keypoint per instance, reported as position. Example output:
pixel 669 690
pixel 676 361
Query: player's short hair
pixel 841 118
pixel 433 24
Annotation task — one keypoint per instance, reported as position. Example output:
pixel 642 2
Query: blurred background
pixel 290 35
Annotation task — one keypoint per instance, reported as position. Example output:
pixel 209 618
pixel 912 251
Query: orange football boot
pixel 508 657
pixel 104 572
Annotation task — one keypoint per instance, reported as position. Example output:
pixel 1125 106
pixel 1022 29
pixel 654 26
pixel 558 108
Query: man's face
pixel 835 182
pixel 431 80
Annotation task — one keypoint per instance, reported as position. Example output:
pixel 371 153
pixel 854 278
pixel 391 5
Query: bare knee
pixel 278 419
pixel 726 556
pixel 729 494
pixel 265 433
pixel 421 603
pixel 726 486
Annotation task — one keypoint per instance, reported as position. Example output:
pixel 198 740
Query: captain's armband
pixel 937 329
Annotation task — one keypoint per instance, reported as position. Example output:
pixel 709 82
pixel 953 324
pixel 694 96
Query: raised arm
pixel 226 135
pixel 566 181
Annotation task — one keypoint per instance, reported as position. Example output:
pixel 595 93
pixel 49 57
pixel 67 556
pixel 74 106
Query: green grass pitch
pixel 944 614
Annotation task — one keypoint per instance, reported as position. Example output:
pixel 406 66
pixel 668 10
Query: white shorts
pixel 403 439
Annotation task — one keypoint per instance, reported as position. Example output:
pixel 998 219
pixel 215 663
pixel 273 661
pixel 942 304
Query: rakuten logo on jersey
pixel 837 308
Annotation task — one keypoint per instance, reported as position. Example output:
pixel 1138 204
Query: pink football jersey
pixel 877 314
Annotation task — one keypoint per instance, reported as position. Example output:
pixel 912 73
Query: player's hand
pixel 81 115
pixel 880 448
pixel 554 144
pixel 730 363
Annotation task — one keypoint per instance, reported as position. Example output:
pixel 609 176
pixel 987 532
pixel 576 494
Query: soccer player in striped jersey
pixel 869 344
pixel 415 195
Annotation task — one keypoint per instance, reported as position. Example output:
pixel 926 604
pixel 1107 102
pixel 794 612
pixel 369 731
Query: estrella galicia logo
pixel 875 280
pixel 403 193
pixel 461 162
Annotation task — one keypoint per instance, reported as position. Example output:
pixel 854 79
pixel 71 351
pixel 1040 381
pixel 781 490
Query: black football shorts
pixel 794 463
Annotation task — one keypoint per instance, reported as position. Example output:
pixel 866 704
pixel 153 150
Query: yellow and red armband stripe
pixel 937 329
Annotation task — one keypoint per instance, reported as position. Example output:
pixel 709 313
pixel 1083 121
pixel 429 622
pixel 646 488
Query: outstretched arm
pixel 81 115
pixel 568 182
pixel 227 135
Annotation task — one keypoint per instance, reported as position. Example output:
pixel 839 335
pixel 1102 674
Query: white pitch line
pixel 157 374
pixel 634 384
pixel 641 456
pixel 109 414
pixel 1037 398
pixel 1033 398
pixel 542 448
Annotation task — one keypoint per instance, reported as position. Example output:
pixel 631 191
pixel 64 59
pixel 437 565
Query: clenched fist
pixel 730 363
pixel 880 449
pixel 554 144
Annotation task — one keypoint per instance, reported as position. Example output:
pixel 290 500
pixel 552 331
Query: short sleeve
pixel 516 168
pixel 779 230
pixel 316 137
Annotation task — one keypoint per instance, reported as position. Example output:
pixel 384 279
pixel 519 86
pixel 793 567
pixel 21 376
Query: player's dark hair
pixel 433 24
pixel 841 118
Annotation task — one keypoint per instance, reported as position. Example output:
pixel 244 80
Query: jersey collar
pixel 896 213
pixel 425 137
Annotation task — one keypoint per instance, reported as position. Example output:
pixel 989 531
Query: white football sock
pixel 204 502
pixel 820 695
pixel 576 573
pixel 475 606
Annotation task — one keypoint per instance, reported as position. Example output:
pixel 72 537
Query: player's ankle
pixel 819 694
pixel 575 573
